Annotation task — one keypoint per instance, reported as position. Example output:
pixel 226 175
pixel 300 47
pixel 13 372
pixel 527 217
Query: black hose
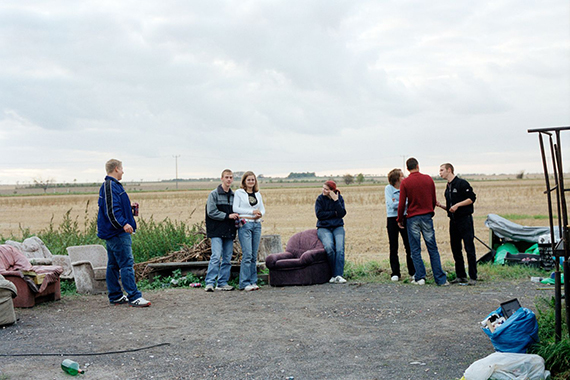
pixel 88 354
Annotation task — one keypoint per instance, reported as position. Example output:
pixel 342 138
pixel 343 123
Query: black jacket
pixel 218 209
pixel 456 191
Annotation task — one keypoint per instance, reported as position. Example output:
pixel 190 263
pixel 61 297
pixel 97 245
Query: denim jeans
pixel 220 261
pixel 120 263
pixel 249 236
pixel 423 225
pixel 333 241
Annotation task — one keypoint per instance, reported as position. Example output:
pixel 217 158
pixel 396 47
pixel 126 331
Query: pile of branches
pixel 201 251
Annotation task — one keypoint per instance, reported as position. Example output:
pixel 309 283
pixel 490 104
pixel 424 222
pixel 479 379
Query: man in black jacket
pixel 221 229
pixel 459 199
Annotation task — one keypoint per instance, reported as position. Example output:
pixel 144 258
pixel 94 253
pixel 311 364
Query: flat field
pixel 291 209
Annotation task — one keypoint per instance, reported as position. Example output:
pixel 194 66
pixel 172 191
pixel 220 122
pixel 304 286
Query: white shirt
pixel 243 208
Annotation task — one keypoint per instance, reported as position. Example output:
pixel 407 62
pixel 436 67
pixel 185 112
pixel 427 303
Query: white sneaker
pixel 332 280
pixel 209 288
pixel 394 278
pixel 249 288
pixel 139 302
pixel 339 280
pixel 226 288
pixel 255 286
pixel 419 282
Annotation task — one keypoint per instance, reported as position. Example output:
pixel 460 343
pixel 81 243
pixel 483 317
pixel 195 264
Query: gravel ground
pixel 351 331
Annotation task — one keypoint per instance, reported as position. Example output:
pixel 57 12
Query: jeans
pixel 220 261
pixel 393 231
pixel 462 229
pixel 333 241
pixel 249 237
pixel 423 225
pixel 120 263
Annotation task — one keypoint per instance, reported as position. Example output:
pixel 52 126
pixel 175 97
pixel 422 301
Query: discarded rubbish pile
pixel 200 251
pixel 512 243
pixel 512 330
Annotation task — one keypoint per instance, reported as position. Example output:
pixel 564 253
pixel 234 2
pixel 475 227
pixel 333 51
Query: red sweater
pixel 419 190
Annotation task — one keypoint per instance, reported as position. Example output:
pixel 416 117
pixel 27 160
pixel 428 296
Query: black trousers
pixel 461 230
pixel 393 231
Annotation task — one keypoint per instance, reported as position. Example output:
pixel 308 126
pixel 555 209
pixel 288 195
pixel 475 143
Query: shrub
pixel 151 239
pixel 556 354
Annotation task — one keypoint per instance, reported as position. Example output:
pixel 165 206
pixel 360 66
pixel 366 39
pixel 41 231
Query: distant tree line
pixel 294 175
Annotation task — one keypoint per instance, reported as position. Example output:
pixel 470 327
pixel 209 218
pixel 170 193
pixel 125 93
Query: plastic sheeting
pixel 507 366
pixel 504 228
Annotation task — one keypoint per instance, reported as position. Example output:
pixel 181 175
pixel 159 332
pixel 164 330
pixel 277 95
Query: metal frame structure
pixel 560 245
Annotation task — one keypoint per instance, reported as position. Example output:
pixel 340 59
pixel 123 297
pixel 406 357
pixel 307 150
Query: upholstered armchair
pixel 34 283
pixel 89 265
pixel 7 292
pixel 38 254
pixel 304 262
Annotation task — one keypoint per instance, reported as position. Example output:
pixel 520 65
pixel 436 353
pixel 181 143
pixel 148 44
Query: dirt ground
pixel 352 331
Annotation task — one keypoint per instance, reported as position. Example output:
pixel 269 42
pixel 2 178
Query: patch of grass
pixel 370 271
pixel 176 280
pixel 493 272
pixel 154 239
pixel 524 216
pixel 556 354
pixel 376 272
pixel 68 288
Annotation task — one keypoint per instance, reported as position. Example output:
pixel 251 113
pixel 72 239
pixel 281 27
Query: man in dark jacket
pixel 459 199
pixel 221 229
pixel 115 224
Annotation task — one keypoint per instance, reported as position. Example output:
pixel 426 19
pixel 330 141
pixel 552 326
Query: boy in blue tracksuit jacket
pixel 115 224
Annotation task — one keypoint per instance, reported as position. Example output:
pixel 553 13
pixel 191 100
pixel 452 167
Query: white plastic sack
pixel 507 366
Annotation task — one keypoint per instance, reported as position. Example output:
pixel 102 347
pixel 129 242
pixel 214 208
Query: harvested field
pixel 290 210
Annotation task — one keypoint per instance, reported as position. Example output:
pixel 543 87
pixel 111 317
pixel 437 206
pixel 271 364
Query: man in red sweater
pixel 417 194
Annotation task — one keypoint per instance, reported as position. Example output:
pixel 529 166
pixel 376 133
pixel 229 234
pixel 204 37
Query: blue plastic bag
pixel 518 332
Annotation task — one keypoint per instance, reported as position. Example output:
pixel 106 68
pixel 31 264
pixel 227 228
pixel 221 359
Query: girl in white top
pixel 248 203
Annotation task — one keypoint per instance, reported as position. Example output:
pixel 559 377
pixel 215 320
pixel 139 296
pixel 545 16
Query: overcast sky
pixel 278 86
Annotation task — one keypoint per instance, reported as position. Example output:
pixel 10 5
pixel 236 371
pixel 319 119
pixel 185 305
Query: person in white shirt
pixel 248 203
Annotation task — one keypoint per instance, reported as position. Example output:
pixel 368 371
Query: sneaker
pixel 339 280
pixel 459 280
pixel 332 280
pixel 394 278
pixel 446 283
pixel 249 288
pixel 121 301
pixel 225 287
pixel 472 282
pixel 255 286
pixel 139 302
pixel 209 288
pixel 419 282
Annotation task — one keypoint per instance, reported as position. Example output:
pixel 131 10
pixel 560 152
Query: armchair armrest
pixel 312 256
pixel 81 263
pixel 40 261
pixel 272 259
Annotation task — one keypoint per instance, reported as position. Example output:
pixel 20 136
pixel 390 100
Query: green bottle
pixel 71 367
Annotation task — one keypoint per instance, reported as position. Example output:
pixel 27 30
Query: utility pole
pixel 176 161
